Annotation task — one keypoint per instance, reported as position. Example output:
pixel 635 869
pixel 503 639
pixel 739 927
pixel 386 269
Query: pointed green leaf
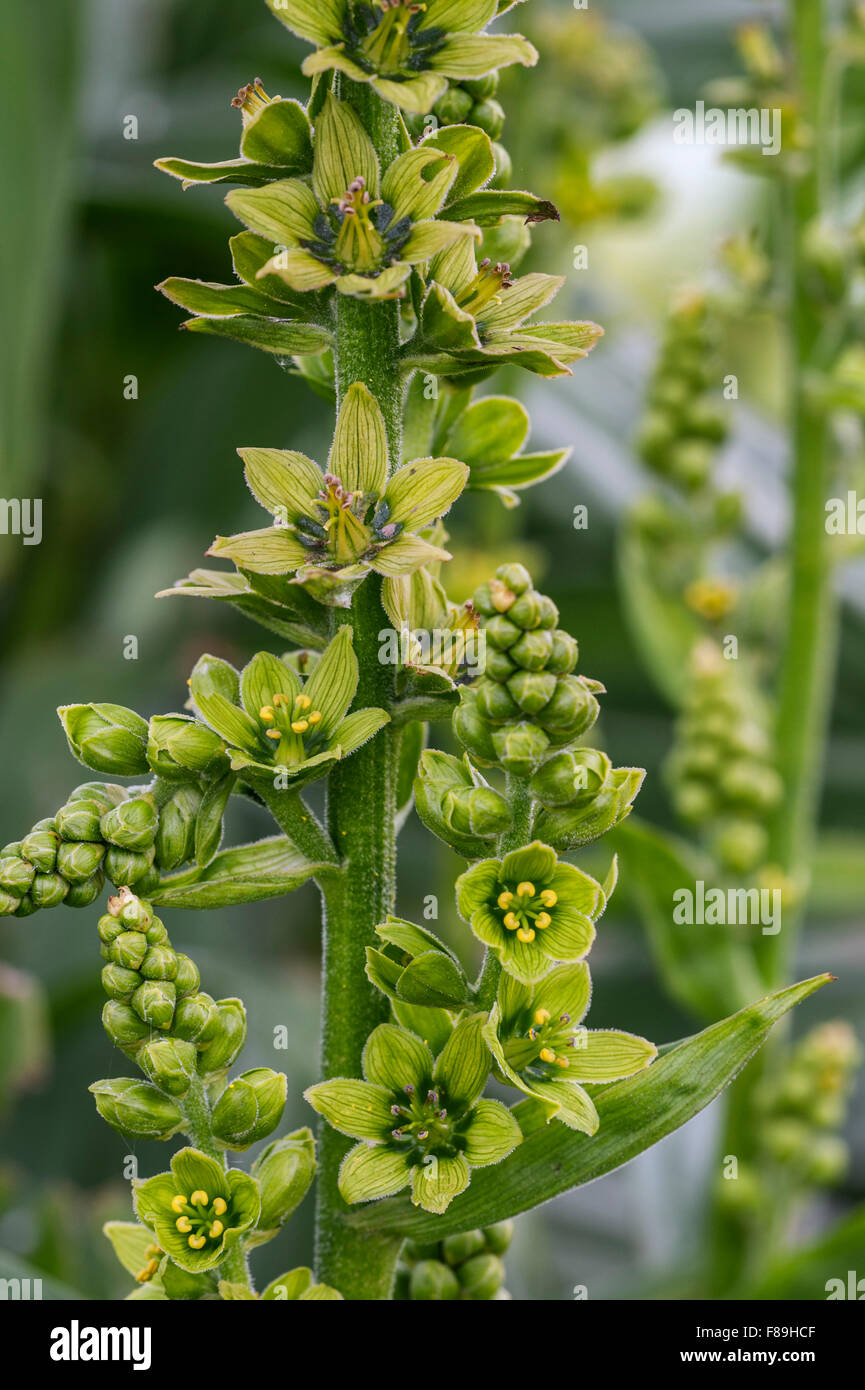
pixel 490 431
pixel 204 297
pixel 248 874
pixel 284 337
pixel 241 171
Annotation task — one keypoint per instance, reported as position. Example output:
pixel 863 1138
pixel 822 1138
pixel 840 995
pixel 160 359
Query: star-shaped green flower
pixel 337 526
pixel 420 1122
pixel 274 722
pixel 478 316
pixel 405 49
pixel 352 227
pixel 535 1036
pixel 198 1210
pixel 531 909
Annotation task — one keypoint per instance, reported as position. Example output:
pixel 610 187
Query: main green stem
pixel 361 799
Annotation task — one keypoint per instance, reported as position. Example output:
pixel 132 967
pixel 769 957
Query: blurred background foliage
pixel 134 489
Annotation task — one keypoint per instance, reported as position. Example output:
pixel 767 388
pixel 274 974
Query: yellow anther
pixel 543 920
pixel 199 1198
pixel 546 1054
pixel 512 921
pixel 542 1016
pixel 548 897
pixel 562 1062
pixel 179 1202
pixel 526 889
pixel 266 713
pixel 279 699
pixel 220 1206
pixel 216 1230
pixel 526 935
pixel 273 733
pixel 316 717
pixel 197 1242
pixel 302 702
pixel 299 726
pixel 505 899
pixel 147 1273
pixel 184 1225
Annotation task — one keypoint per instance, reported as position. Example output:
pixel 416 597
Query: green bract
pixel 420 1122
pixel 276 140
pixel 535 1037
pixel 198 1210
pixel 353 228
pixel 335 527
pixel 405 50
pixel 275 723
pixel 531 909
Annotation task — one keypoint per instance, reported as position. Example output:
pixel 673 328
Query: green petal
pixel 473 151
pixel 525 960
pixel 445 324
pixel 328 59
pixel 353 1107
pixel 321 1293
pixel 192 1169
pixel 279 134
pixel 535 862
pixel 359 456
pixel 332 685
pixel 432 1025
pixel 242 171
pixel 573 1106
pixel 489 431
pixel 249 254
pixel 283 337
pixel 388 285
pixel 456 268
pixel 407 554
pixel 284 482
pixel 477 886
pixel 474 55
pixel 394 1058
pixel 566 990
pixel 300 270
pixel 152 1197
pixel 273 550
pixel 207 297
pixel 568 937
pixel 576 889
pixel 409 192
pixel 491 1134
pixel 343 152
pixel 514 999
pixel 245 1202
pixel 357 728
pixel 288 1287
pixel 421 491
pixel 427 239
pixel 575 337
pixel 320 21
pixel 264 677
pixel 284 210
pixel 458 16
pixel 463 1067
pixel 607 1055
pixel 435 1184
pixel 418 94
pixel 525 296
pixel 488 928
pixel 368 1173
pixel 213 676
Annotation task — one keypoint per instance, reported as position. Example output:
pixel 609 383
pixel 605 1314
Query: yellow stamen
pixel 279 699
pixel 547 1055
pixel 273 733
pixel 562 1062
pixel 302 702
pixel 505 899
pixel 144 1275
pixel 315 717
pixel 549 898
pixel 266 713
pixel 542 1016
pixel 216 1229
pixel 179 1202
pixel 184 1225
pixel 526 935
pixel 299 726
pixel 526 889
pixel 220 1206
pixel 512 922
pixel 197 1242
pixel 199 1198
pixel 543 920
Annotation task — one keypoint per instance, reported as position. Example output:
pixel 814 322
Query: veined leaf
pixel 285 337
pixel 247 874
pixel 634 1115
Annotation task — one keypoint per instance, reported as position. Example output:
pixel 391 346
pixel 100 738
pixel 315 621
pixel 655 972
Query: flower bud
pixel 752 785
pixel 481 1277
pixel 520 748
pixel 79 820
pixel 742 845
pixel 453 108
pixel 489 117
pixel 178 745
pixel 131 825
pixel 501 633
pixel 150 880
pixel 574 777
pixel 77 862
pixel 533 649
pixel 40 848
pixel 456 1249
pixel 499 1236
pixel 83 894
pixel 515 576
pixel 827 1162
pixel 48 890
pixel 472 729
pixel 108 738
pixel 154 1002
pixel 16 875
pixel 130 911
pixel 432 1281
pixel 175 835
pixel 127 868
pixel 157 934
pixel 572 710
pixel 103 794
pixel 123 1025
pixel 532 690
pixel 495 702
pixel 284 1171
pixel 504 167
pixel 228 1039
pixel 169 1063
pixel 249 1108
pixel 196 1018
pixel 8 903
pixel 160 962
pixel 476 811
pixel 565 654
pixel 119 982
pixel 129 949
pixel 187 980
pixel 499 667
pixel 479 88
pixel 136 1108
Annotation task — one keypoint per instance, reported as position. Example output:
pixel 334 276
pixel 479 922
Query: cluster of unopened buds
pixel 469 1266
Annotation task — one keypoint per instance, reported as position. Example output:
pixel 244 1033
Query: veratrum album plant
pixel 372 261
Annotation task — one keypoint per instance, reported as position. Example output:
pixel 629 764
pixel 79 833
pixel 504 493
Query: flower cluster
pixel 468 1266
pixel 722 770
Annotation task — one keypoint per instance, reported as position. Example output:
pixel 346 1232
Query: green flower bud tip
pixel 78 862
pixel 108 738
pixel 229 1037
pixel 83 894
pixel 123 1025
pixel 499 1236
pixel 132 825
pixel 119 982
pixel 128 949
pixel 16 875
pixel 187 980
pixel 249 1108
pixel 40 849
pixel 125 867
pixel 159 963
pixel 170 1064
pixel 196 1018
pixel 178 745
pixel 175 836
pixel 48 890
pixel 131 911
pixel 79 820
pixel 154 1002
pixel 136 1108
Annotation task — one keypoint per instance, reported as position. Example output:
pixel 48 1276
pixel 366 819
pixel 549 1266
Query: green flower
pixel 531 909
pixel 353 227
pixel 420 1122
pixel 405 50
pixel 535 1036
pixel 582 795
pixel 297 1286
pixel 478 316
pixel 198 1210
pixel 273 722
pixel 276 140
pixel 335 527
